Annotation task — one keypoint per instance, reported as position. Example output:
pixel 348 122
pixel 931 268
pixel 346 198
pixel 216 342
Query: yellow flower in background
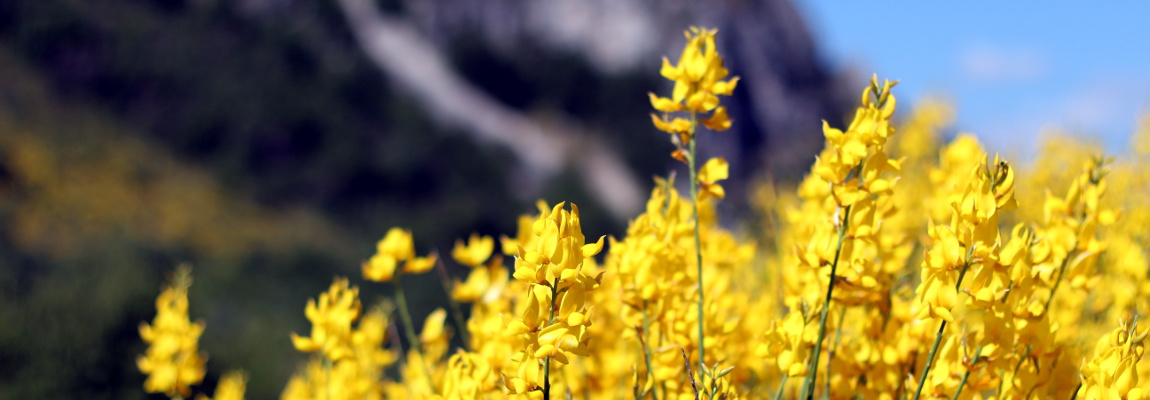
pixel 468 376
pixel 172 362
pixel 331 318
pixel 789 344
pixel 231 387
pixel 396 247
pixel 435 335
pixel 368 340
pixel 477 250
pixel 483 283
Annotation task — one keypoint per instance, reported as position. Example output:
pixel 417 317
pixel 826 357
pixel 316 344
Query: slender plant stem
pixel 1076 389
pixel 941 330
pixel 966 375
pixel 930 360
pixel 1058 281
pixel 809 384
pixel 645 340
pixel 547 361
pixel 833 349
pixel 456 313
pixel 691 162
pixel 408 326
pixel 782 388
pixel 327 377
pixel 1002 380
pixel 687 363
pixel 1062 269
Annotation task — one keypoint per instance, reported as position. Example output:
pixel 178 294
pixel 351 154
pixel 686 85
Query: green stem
pixel 1058 281
pixel 645 340
pixel 687 363
pixel 698 242
pixel 930 360
pixel 456 313
pixel 1062 269
pixel 782 388
pixel 1012 375
pixel 941 330
pixel 809 384
pixel 408 326
pixel 547 361
pixel 327 377
pixel 831 353
pixel 966 375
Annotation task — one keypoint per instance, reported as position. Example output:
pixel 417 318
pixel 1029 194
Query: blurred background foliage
pixel 256 141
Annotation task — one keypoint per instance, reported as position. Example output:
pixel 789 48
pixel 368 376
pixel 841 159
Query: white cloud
pixel 986 63
pixel 1105 108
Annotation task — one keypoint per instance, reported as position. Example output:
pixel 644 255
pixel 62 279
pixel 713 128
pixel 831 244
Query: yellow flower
pixel 715 170
pixel 664 104
pixel 676 125
pixel 483 283
pixel 528 377
pixel 698 72
pixel 1113 372
pixel 435 336
pixel 468 376
pixel 555 316
pixel 699 80
pixel 171 361
pixel 231 387
pixel 718 121
pixel 331 320
pixel 937 292
pixel 790 344
pixel 558 251
pixel 396 247
pixel 475 252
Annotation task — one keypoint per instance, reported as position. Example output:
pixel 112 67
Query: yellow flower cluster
pixel 172 361
pixel 698 83
pixel 396 247
pixel 902 266
pixel 350 360
pixel 555 316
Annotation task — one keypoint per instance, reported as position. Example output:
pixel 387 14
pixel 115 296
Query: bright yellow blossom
pixel 396 247
pixel 475 252
pixel 713 171
pixel 699 80
pixel 172 361
pixel 435 335
pixel 1113 372
pixel 231 387
pixel 331 318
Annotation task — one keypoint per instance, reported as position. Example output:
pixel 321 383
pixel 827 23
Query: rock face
pixel 784 93
pixel 283 96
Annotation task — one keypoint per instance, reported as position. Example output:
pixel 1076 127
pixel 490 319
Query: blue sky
pixel 1012 69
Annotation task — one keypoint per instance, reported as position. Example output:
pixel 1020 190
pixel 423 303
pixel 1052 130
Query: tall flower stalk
pixel 699 80
pixel 852 171
pixel 395 256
